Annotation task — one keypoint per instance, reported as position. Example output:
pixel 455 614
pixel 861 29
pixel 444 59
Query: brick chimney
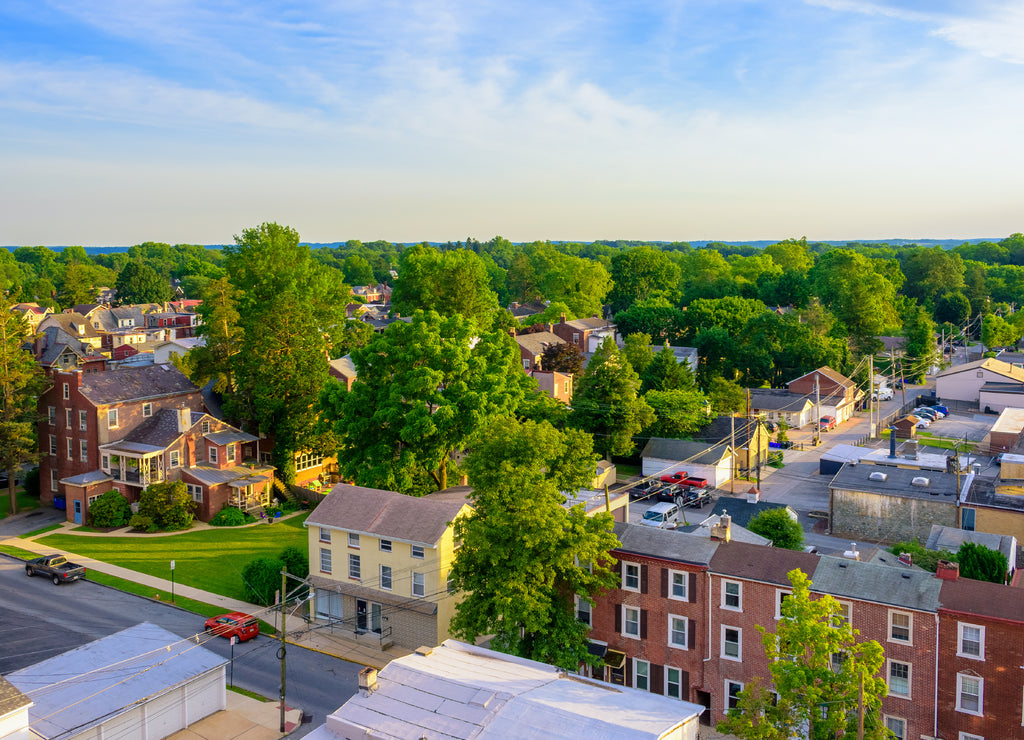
pixel 184 419
pixel 906 558
pixel 947 570
pixel 722 531
pixel 367 680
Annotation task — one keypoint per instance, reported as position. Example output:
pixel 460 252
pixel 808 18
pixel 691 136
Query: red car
pixel 236 624
pixel 827 423
pixel 678 477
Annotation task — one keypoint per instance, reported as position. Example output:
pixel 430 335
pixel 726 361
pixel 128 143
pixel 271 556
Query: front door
pixel 375 621
pixel 78 511
pixel 360 615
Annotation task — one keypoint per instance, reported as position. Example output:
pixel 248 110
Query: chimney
pixel 722 531
pixel 906 558
pixel 947 570
pixel 852 553
pixel 367 680
pixel 184 419
pixel 892 442
pixel 754 495
pixel 562 317
pixel 910 449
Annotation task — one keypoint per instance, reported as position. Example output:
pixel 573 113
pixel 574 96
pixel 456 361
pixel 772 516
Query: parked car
pixel 827 423
pixel 923 424
pixel 925 413
pixel 695 482
pixel 676 477
pixel 234 624
pixel 771 426
pixel 693 496
pixel 882 394
pixel 661 515
pixel 943 409
pixel 56 568
pixel 642 489
pixel 669 492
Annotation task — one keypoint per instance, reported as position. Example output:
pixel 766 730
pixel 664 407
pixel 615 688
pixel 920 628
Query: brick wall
pixel 878 518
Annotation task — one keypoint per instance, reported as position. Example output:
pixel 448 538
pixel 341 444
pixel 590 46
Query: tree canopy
pixel 21 381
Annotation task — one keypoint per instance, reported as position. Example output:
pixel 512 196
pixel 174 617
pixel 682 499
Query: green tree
pixel 111 509
pixel 562 358
pixel 679 413
pixel 523 555
pixel 778 526
pixel 291 309
pixel 849 285
pixel 168 504
pixel 606 402
pixel 75 286
pixel 997 331
pixel 817 667
pixel 953 307
pixel 261 579
pixel 666 373
pixel 423 388
pixel 295 560
pixel 450 283
pixel 139 283
pixel 641 274
pixel 21 382
pixel 791 254
pixel 357 270
pixel 636 348
pixel 982 563
pixel 215 358
pixel 931 272
pixel 726 396
pixel 654 316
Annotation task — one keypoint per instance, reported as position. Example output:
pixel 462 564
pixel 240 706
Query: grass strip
pixel 18 552
pixel 250 694
pixel 41 530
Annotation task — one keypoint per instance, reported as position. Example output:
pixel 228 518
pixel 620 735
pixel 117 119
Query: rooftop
pixel 685 450
pixel 878 583
pixel 135 383
pixel 941 486
pixel 757 563
pixel 664 544
pixel 991 364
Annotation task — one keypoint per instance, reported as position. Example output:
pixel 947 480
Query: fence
pixel 306 496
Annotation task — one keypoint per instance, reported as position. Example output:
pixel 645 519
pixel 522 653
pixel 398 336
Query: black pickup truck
pixel 56 568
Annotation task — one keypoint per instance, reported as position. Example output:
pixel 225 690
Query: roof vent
pixel 878 476
pixel 919 480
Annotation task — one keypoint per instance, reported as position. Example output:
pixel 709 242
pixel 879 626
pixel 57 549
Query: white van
pixel 883 394
pixel 664 515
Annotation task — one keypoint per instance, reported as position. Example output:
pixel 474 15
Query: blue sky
pixel 187 121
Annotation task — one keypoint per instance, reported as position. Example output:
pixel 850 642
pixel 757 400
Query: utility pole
pixel 283 649
pixel 749 437
pixel 817 412
pixel 732 453
pixel 860 709
pixel 871 395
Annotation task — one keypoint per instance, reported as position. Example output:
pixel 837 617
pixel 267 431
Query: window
pixel 353 567
pixel 630 621
pixel 417 552
pixel 780 597
pixel 969 694
pixel 196 492
pixel 584 611
pixel 673 682
pixel 844 613
pixel 641 675
pixel 451 582
pixel 71 448
pixel 53 479
pixel 900 626
pixel 630 576
pixel 732 694
pixel 385 545
pixel 83 450
pixel 53 444
pixel 175 458
pixel 679 585
pixel 205 427
pixel 52 410
pixel 307 460
pixel 83 419
pixel 325 535
pixel 231 453
pixel 212 454
pixel 419 584
pixel 67 418
pixel 731 648
pixel 526 364
pixel 385 577
pixel 677 631
pixel 967 519
pixel 897 726
pixel 105 463
pixel 971 641
pixel 67 392
pixel 732 595
pixel 899 678
pixel 969 736
pixel 353 540
pixel 147 410
pixel 112 419
pixel 325 560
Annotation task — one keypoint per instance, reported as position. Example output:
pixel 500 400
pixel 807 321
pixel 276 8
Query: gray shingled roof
pixel 685 450
pixel 227 436
pixel 390 514
pixel 212 476
pixel 87 479
pixel 537 342
pixel 159 430
pixel 724 428
pixel 664 543
pixel 774 399
pixel 135 383
pixel 882 584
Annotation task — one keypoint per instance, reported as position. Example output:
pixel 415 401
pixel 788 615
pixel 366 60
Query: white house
pixel 699 459
pixel 990 383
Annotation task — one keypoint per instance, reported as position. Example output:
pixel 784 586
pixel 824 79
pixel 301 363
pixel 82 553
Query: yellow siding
pixel 1000 521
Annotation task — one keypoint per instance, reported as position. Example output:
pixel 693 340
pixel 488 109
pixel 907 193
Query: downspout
pixel 935 718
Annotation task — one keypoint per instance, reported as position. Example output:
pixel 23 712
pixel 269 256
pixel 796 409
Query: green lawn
pixel 210 559
pixel 25 502
pixel 928 439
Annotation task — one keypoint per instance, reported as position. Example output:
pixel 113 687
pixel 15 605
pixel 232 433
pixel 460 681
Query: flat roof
pixel 890 481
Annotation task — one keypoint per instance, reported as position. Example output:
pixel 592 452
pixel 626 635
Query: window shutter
pixel 643 624
pixel 691 592
pixel 617 568
pixel 664 583
pixel 643 578
pixel 691 632
pixel 618 618
pixel 628 678
pixel 657 678
pixel 684 684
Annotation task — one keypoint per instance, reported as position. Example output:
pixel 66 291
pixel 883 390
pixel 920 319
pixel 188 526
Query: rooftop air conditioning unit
pixel 920 481
pixel 881 477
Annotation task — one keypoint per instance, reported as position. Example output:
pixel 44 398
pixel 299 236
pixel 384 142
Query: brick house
pixel 834 393
pixel 379 563
pixel 532 346
pixel 981 650
pixel 587 334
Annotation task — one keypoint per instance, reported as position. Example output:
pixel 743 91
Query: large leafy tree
pixel 215 359
pixel 849 285
pixel 562 358
pixel 450 283
pixel 290 308
pixel 679 413
pixel 607 404
pixel 778 526
pixel 423 388
pixel 139 283
pixel 75 286
pixel 523 555
pixel 654 316
pixel 666 373
pixel 817 669
pixel 640 274
pixel 21 381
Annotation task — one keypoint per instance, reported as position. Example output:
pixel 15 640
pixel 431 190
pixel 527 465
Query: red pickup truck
pixel 677 477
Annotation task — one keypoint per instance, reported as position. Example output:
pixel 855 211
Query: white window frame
pixel 848 617
pixel 196 492
pixel 83 450
pixel 53 445
pixel 52 413
pixel 626 609
pixel 205 427
pixel 386 577
pixel 739 644
pixel 960 652
pixel 417 552
pixel 384 545
pixel 668 682
pixel 71 448
pixel 353 540
pixel 980 711
pixel 903 733
pixel 969 736
pixel 211 453
pixel 631 571
pixel 147 410
pixel 175 459
pixel 727 697
pixel 419 585
pixel 355 567
pixel 111 418
pixel 780 596
pixel 685 577
pixel 83 421
pixel 54 478
pixel 67 391
pixel 67 418
pixel 672 631
pixel 583 607
pixel 889 664
pixel 738 595
pixel 910 627
pixel 231 452
pixel 325 560
pixel 325 535
pixel 645 674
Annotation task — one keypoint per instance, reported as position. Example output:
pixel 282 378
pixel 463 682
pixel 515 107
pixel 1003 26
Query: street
pixel 40 620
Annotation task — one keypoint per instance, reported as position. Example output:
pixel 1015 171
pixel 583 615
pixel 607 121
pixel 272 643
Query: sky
pixel 187 121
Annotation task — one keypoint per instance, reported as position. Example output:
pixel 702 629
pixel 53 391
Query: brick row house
pixel 128 428
pixel 683 622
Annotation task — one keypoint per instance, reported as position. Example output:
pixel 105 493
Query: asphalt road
pixel 39 620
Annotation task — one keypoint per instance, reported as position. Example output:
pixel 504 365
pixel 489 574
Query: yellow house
pixel 379 563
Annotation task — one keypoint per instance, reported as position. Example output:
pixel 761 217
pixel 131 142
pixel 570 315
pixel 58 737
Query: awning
pixel 615 659
pixel 252 481
pixel 597 649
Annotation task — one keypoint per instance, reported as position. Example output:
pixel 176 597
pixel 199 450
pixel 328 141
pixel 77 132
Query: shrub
pixel 110 510
pixel 288 506
pixel 273 511
pixel 924 558
pixel 229 517
pixel 261 578
pixel 168 505
pixel 982 563
pixel 778 526
pixel 31 482
pixel 295 561
pixel 143 523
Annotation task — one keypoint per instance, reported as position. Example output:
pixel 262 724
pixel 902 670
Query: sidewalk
pixel 244 717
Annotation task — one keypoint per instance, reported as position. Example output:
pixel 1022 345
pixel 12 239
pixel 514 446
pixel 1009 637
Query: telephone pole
pixel 283 649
